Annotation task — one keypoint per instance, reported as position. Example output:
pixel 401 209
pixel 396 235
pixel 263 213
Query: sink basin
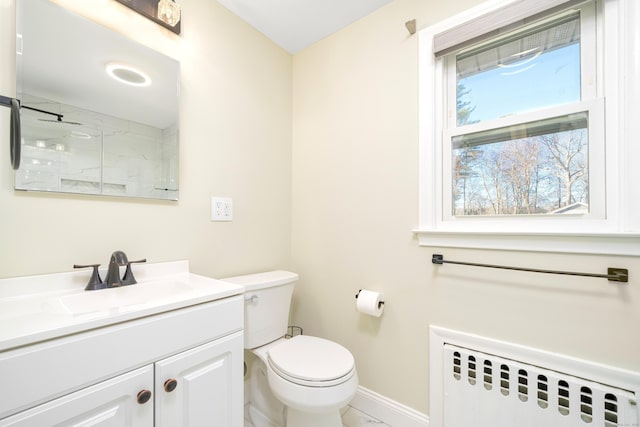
pixel 121 299
pixel 38 308
pixel 20 307
pixel 125 297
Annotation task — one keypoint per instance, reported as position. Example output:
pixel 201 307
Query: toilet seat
pixel 311 361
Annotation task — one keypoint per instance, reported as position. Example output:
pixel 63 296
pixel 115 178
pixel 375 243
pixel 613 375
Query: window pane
pixel 533 168
pixel 530 69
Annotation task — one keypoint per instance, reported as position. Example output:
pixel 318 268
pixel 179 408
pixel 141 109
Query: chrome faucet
pixel 118 259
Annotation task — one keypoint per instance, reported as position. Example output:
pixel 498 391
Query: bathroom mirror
pixel 84 131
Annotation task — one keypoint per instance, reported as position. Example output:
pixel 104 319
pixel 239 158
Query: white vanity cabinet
pixel 110 403
pixel 198 387
pixel 97 368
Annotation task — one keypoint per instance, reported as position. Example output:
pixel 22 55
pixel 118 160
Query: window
pixel 535 166
pixel 521 134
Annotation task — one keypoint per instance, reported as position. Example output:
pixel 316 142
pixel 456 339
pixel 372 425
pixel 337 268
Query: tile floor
pixel 354 418
pixel 351 417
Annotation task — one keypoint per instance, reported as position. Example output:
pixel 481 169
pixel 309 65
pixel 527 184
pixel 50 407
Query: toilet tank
pixel 266 306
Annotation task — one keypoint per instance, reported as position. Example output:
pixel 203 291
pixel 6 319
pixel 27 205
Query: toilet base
pixel 297 418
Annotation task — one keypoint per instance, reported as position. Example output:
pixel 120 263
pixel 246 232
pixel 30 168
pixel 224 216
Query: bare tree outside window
pixel 534 175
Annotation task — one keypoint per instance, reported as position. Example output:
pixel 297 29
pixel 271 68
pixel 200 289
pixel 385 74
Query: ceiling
pixel 64 58
pixel 296 24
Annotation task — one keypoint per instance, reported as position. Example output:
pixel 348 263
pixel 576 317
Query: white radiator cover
pixel 481 382
pixel 487 390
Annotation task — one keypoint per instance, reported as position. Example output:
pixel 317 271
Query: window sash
pixel 546 121
pixel 590 85
pixel 522 130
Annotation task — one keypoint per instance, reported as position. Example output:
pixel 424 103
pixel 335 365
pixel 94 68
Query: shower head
pixel 59 120
pixel 58 116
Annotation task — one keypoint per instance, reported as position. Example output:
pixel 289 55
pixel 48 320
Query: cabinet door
pixel 202 386
pixel 111 403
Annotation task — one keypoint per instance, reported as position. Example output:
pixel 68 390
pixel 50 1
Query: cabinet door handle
pixel 170 385
pixel 143 396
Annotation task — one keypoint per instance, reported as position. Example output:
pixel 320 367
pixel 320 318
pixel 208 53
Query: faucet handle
pixel 128 278
pixel 95 282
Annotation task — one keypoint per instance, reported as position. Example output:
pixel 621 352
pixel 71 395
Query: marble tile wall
pixel 131 158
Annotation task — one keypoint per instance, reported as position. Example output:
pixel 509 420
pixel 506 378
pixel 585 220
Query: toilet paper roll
pixel 370 302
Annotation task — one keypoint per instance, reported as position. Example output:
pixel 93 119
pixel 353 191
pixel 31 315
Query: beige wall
pixel 346 224
pixel 355 202
pixel 235 141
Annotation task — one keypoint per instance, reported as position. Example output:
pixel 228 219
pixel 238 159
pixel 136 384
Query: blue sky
pixel 502 91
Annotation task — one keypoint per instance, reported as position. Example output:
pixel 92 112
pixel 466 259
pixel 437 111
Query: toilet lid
pixel 311 359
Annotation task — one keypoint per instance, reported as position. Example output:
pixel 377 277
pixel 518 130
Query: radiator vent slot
pixel 586 408
pixel 471 372
pixel 543 392
pixel 488 379
pixel 485 389
pixel 611 410
pixel 563 397
pixel 457 370
pixel 504 379
pixel 523 385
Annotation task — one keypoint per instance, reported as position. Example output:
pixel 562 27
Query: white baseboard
pixel 386 410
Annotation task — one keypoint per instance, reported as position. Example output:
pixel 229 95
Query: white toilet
pixel 312 377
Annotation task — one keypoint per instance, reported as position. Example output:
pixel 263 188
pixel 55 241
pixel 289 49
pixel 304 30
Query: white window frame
pixel 614 229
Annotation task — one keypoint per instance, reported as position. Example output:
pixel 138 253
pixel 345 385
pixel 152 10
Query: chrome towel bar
pixel 613 274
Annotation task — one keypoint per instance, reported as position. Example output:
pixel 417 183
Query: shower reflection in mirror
pixel 92 153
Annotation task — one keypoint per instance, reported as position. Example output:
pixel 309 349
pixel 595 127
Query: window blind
pixel 491 24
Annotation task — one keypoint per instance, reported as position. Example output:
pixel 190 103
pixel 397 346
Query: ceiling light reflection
pixel 128 75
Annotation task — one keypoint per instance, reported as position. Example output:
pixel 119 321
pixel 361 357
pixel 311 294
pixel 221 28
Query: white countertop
pixel 43 307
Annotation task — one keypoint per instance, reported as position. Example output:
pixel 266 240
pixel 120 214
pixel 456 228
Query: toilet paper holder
pixel 380 304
